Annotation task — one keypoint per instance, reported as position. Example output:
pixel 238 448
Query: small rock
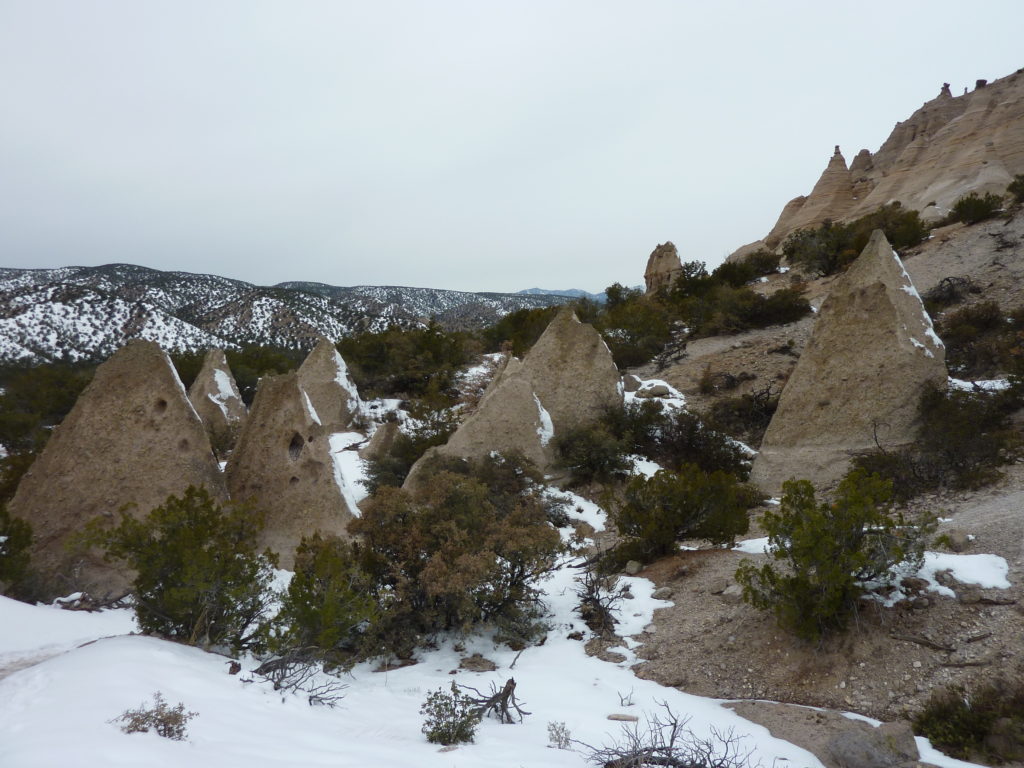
pixel 718 586
pixel 969 596
pixel 630 383
pixel 917 665
pixel 920 602
pixel 633 567
pixel 656 390
pixel 859 745
pixel 577 635
pixel 914 584
pixel 477 663
pixel 663 593
pixel 733 594
pixel 624 718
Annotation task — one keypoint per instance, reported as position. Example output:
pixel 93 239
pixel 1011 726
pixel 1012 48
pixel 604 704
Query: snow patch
pixel 349 469
pixel 546 430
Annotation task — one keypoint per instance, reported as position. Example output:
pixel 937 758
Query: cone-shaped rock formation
pixel 566 380
pixel 872 352
pixel 215 396
pixel 282 464
pixel 132 438
pixel 325 378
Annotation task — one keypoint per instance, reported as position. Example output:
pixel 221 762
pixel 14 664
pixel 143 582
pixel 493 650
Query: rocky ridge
pixel 949 147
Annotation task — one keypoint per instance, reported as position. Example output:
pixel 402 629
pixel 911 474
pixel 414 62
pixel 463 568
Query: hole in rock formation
pixel 295 446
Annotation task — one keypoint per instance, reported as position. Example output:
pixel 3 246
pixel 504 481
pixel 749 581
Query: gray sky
pixel 472 145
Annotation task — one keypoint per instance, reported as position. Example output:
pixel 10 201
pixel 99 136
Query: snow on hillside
pixel 76 313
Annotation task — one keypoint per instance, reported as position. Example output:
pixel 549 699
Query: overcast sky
pixel 472 145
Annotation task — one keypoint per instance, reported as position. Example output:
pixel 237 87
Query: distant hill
pixel 573 293
pixel 82 313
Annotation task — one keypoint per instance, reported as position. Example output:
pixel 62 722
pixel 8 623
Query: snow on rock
pixel 546 430
pixel 986 385
pixel 349 469
pixel 985 571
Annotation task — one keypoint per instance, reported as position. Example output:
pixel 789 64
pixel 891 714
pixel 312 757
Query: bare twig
pixel 501 702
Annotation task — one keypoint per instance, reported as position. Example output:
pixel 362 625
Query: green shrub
pixel 327 607
pixel 169 722
pixel 985 724
pixel 674 437
pixel 592 452
pixel 746 416
pixel 963 437
pixel 451 718
pixel 658 511
pixel 972 208
pixel 15 538
pixel 830 551
pixel 431 429
pixel 198 577
pixel 402 362
pixel 833 246
pixel 635 329
pixel 444 556
pixel 1016 188
pixel 520 329
pixel 980 338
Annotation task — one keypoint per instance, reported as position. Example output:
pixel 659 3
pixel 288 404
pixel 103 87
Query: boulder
pixel 215 396
pixel 858 745
pixel 132 439
pixel 324 377
pixel 379 444
pixel 663 267
pixel 283 466
pixel 860 377
pixel 566 380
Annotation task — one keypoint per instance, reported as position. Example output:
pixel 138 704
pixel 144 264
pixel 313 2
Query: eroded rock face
pixel 663 267
pixel 951 146
pixel 215 396
pixel 282 464
pixel 872 352
pixel 324 376
pixel 132 438
pixel 566 380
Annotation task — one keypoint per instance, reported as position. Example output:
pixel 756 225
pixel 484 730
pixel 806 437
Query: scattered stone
pixel 624 718
pixel 132 438
pixel 633 567
pixel 914 584
pixel 630 383
pixel 663 593
pixel 283 466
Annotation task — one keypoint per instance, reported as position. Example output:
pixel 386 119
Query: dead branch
pixel 666 741
pixel 923 641
pixel 501 702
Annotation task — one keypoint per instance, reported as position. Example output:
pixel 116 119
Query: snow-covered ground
pixel 89 669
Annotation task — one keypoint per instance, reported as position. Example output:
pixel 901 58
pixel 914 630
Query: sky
pixel 462 144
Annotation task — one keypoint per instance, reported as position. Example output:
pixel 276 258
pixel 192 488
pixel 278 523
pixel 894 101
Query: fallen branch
pixel 923 641
pixel 501 703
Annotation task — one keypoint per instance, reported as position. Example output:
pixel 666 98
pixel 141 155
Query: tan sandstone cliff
pixel 951 146
pixel 215 396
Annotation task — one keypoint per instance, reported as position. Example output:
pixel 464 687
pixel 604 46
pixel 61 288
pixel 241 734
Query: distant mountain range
pixel 83 313
pixel 573 293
